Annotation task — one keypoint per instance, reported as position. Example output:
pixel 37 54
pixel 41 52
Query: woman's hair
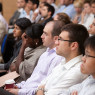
pixel 35 31
pixel 78 3
pixel 64 18
pixel 23 23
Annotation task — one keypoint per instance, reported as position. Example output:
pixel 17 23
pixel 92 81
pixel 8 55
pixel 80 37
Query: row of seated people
pixel 70 47
pixel 71 41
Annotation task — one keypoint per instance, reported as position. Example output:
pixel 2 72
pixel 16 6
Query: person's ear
pixel 36 41
pixel 74 45
pixel 55 38
pixel 49 13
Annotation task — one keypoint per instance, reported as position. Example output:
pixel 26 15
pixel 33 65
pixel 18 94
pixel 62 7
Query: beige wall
pixel 9 6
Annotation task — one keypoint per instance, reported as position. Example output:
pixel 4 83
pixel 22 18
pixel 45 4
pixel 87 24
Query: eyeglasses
pixel 64 40
pixel 86 55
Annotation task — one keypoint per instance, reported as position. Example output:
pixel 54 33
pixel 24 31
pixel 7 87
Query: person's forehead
pixel 93 4
pixel 45 7
pixel 64 34
pixel 48 27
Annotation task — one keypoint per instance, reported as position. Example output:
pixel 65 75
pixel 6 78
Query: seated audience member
pixel 33 5
pixel 67 73
pixel 92 28
pixel 2 34
pixel 20 5
pixel 47 61
pixel 30 51
pixel 2 18
pixel 87 67
pixel 62 17
pixel 19 28
pixel 37 16
pixel 87 17
pixel 67 8
pixel 26 12
pixel 78 4
pixel 46 14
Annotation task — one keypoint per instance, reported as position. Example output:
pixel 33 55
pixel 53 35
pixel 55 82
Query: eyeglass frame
pixel 61 39
pixel 87 55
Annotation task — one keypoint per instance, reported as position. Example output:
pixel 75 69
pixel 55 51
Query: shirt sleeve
pixel 20 85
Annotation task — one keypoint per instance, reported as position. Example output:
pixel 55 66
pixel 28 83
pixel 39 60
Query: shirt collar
pixel 50 50
pixel 72 62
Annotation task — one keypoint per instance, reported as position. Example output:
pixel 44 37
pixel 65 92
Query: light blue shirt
pixel 24 14
pixel 69 10
pixel 46 63
pixel 87 87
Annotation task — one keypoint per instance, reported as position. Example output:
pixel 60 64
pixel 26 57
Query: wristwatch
pixel 42 89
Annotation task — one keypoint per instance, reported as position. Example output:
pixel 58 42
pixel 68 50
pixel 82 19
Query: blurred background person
pixel 87 16
pixel 78 4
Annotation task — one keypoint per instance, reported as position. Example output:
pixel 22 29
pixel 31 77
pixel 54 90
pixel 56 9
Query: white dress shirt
pixel 64 76
pixel 87 87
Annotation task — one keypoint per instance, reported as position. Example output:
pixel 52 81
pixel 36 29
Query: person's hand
pixel 24 40
pixel 83 13
pixel 74 93
pixel 14 91
pixel 75 20
pixel 12 67
pixel 42 86
pixel 40 92
pixel 34 16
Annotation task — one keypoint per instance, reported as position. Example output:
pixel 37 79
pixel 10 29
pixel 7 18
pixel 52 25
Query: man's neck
pixel 46 17
pixel 70 57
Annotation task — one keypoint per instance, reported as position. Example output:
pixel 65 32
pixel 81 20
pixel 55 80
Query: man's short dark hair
pixel 77 33
pixel 50 8
pixel 35 2
pixel 92 2
pixel 90 42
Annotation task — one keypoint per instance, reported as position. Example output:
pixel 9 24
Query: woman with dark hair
pixel 19 28
pixel 30 51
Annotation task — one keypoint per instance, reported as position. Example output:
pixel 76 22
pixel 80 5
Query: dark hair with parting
pixel 90 42
pixel 23 23
pixel 77 33
pixel 50 8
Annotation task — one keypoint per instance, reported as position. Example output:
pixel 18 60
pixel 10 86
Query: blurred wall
pixel 9 6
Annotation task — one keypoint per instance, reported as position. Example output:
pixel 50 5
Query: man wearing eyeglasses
pixel 67 73
pixel 87 87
